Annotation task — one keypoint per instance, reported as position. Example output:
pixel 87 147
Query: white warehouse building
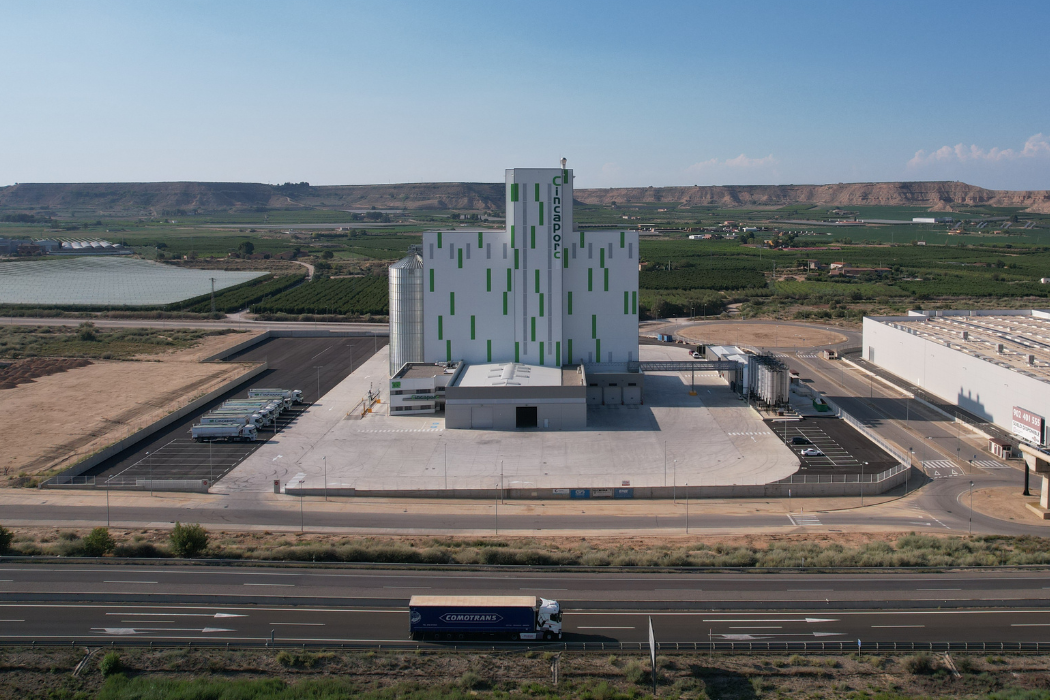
pixel 994 364
pixel 535 294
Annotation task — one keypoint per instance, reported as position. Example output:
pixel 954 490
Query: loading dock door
pixel 632 395
pixel 525 416
pixel 481 417
pixel 612 396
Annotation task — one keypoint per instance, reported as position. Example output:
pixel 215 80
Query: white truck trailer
pixel 241 418
pixel 230 432
pixel 296 395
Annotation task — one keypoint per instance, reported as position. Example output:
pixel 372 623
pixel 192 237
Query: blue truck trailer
pixel 514 617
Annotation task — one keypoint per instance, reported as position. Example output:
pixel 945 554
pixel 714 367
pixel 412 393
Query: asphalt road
pixel 314 365
pixel 230 322
pixel 343 605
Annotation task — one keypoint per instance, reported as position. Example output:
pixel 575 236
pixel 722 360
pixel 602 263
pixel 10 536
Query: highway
pixel 229 322
pixel 175 602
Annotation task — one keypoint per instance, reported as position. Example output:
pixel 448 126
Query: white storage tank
pixel 406 309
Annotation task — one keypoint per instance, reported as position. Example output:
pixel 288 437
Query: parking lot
pixel 844 450
pixel 314 365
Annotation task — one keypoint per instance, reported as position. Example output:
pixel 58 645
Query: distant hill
pixel 160 198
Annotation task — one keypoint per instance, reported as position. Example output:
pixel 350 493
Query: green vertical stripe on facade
pixel 568 351
pixel 533 336
pixel 541 352
pixel 510 277
pixel 581 239
pixel 594 326
pixel 431 279
pixel 626 303
pixel 598 349
pixel 565 177
pixel 601 256
pixel 472 328
pixel 513 191
pixel 504 303
pixel 451 303
pixel 515 258
pixel 517 351
pixel 512 235
pixel 541 304
pixel 488 351
pixel 569 305
pixel 488 280
pixel 532 237
pixel 439 239
pixel 459 260
pixel 441 328
pixel 590 279
pixel 541 213
pixel 537 191
pixel 557 353
pixel 621 239
pixel 448 351
pixel 564 260
pixel 537 281
pixel 606 271
pixel 634 302
pixel 481 243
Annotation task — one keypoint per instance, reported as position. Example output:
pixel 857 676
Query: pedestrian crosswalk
pixel 803 519
pixel 807 355
pixel 760 433
pixel 941 468
pixel 990 464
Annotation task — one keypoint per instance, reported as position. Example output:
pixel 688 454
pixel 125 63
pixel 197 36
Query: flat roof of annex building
pixel 515 374
pixel 1021 333
pixel 424 370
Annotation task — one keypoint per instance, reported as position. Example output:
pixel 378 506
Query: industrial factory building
pixel 526 302
pixel 993 364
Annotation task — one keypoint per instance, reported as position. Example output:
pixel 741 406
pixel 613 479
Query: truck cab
pixel 548 619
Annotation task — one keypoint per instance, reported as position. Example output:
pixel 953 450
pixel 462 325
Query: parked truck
pixel 230 432
pixel 259 418
pixel 512 617
pixel 242 418
pixel 296 395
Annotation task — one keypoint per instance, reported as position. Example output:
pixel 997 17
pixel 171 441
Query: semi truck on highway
pixel 230 432
pixel 511 617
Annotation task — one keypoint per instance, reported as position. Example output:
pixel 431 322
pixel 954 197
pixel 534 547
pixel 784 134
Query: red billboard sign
pixel 1027 424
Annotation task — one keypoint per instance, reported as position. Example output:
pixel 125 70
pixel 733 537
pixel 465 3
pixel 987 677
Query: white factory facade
pixel 994 364
pixel 537 293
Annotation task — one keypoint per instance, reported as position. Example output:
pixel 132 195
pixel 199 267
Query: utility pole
pixel 212 294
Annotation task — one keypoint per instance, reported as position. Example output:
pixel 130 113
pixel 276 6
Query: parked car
pixel 799 440
pixel 811 452
pixel 696 355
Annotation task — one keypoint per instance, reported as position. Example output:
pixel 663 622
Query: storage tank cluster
pixel 239 420
pixel 770 380
pixel 406 309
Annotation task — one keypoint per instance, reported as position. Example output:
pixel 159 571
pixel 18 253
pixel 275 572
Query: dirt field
pixel 55 420
pixel 1007 503
pixel 762 335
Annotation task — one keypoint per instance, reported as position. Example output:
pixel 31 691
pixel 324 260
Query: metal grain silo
pixel 406 309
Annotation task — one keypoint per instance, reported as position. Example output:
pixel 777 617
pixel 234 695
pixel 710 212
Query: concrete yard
pixel 711 439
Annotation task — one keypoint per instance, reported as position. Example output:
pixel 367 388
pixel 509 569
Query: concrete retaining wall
pixel 117 447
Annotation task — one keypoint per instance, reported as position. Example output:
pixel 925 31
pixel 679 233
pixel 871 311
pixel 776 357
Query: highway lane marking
pixel 938 589
pixel 148 621
pixel 1031 624
pixel 406 587
pixel 893 627
pixel 605 628
pixel 12 620
pixel 299 624
pixel 530 588
pixel 808 619
pixel 810 590
pixel 284 585
pixel 129 582
pixel 130 614
pixel 773 627
pixel 148 630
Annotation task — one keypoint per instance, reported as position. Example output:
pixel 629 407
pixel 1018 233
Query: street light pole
pixel 665 463
pixel 674 482
pixel 149 461
pixel 497 513
pixel 971 507
pixel 325 459
pixel 687 507
pixel 862 483
pixel 446 466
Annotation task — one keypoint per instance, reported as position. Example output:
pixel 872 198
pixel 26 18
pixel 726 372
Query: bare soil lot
pixel 55 420
pixel 762 334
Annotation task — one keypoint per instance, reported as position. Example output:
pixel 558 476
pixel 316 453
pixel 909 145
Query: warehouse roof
pixel 1019 342
pixel 510 374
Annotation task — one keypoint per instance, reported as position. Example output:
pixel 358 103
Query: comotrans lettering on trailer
pixel 470 617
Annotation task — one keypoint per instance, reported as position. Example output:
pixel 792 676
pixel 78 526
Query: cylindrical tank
pixel 406 311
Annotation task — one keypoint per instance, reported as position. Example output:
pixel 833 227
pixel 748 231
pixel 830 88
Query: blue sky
pixel 632 93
